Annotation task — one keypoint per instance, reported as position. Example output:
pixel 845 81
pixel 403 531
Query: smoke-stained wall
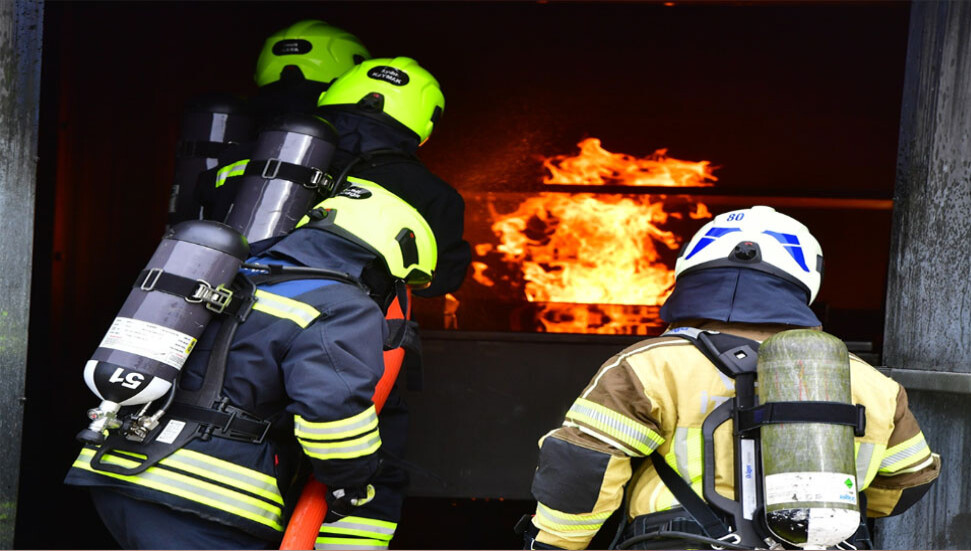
pixel 928 326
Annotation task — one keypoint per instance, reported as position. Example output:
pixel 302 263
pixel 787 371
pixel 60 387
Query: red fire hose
pixel 311 508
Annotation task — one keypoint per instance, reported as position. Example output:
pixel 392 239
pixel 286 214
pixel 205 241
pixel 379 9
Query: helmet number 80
pixel 735 217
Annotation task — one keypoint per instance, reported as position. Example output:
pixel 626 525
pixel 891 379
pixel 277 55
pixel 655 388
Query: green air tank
pixel 809 470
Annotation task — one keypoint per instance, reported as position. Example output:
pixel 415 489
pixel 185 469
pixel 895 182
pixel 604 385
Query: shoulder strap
pixel 711 522
pixel 731 354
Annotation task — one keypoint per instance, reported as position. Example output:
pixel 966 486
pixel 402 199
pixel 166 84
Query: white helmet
pixel 758 238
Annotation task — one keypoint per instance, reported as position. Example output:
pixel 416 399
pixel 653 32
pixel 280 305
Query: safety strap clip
pixel 216 298
pixel 151 278
pixel 731 539
pixel 272 168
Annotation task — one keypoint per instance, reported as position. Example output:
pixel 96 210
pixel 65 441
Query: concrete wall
pixel 928 322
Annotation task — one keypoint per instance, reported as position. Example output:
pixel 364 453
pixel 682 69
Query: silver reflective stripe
pixel 681 453
pixel 353 426
pixel 380 529
pixel 629 431
pixel 918 448
pixel 225 472
pixel 343 450
pixel 349 543
pixel 863 458
pixel 570 522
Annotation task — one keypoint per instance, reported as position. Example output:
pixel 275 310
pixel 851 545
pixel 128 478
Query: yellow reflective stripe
pixel 349 543
pixel 207 466
pixel 566 522
pixel 189 488
pixel 329 529
pixel 381 528
pixel 286 308
pixel 228 171
pixel 344 449
pixel 363 422
pixel 228 473
pixel 630 432
pixel 904 454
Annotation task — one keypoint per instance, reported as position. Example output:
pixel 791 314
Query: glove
pixel 529 531
pixel 343 501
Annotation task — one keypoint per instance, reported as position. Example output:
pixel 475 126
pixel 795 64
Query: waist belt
pixel 662 530
pixel 226 422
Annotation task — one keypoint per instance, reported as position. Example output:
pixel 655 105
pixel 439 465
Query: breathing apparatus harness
pixel 205 413
pixel 727 523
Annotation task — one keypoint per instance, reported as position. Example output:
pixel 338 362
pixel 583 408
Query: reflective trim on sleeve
pixel 922 465
pixel 577 525
pixel 343 449
pixel 361 423
pixel 286 308
pixel 349 543
pixel 190 488
pixel 635 435
pixel 228 171
pixel 361 526
pixel 904 454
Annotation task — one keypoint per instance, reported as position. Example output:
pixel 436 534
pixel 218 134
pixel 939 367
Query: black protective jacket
pixel 308 359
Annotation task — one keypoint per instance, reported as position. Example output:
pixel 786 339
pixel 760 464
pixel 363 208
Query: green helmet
pixel 321 52
pixel 380 221
pixel 398 89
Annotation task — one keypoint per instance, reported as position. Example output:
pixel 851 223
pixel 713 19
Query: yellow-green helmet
pixel 321 52
pixel 380 221
pixel 397 88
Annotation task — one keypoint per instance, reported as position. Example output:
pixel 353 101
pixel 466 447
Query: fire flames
pixel 594 262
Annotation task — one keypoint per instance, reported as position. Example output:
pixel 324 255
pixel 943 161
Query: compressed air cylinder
pixel 809 471
pixel 154 332
pixel 210 124
pixel 266 206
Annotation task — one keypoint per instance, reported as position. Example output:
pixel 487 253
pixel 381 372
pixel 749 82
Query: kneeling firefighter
pixel 284 385
pixel 649 435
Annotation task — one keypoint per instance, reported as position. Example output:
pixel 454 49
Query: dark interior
pixel 797 104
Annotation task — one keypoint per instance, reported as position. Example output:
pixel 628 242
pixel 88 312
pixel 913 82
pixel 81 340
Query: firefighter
pixel 750 273
pixel 295 65
pixel 298 63
pixel 299 379
pixel 385 109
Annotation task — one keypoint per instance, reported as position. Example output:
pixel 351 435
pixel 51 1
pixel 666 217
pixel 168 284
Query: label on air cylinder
pixel 149 340
pixel 810 487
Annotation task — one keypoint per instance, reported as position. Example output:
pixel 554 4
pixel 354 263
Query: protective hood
pixel 738 295
pixel 287 96
pixel 360 133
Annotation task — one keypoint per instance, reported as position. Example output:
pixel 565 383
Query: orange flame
pixel 593 261
pixel 594 164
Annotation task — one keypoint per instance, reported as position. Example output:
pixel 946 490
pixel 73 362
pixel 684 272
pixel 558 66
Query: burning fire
pixel 593 262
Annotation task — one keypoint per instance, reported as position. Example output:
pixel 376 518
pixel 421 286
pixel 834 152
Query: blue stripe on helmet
pixel 709 238
pixel 791 244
